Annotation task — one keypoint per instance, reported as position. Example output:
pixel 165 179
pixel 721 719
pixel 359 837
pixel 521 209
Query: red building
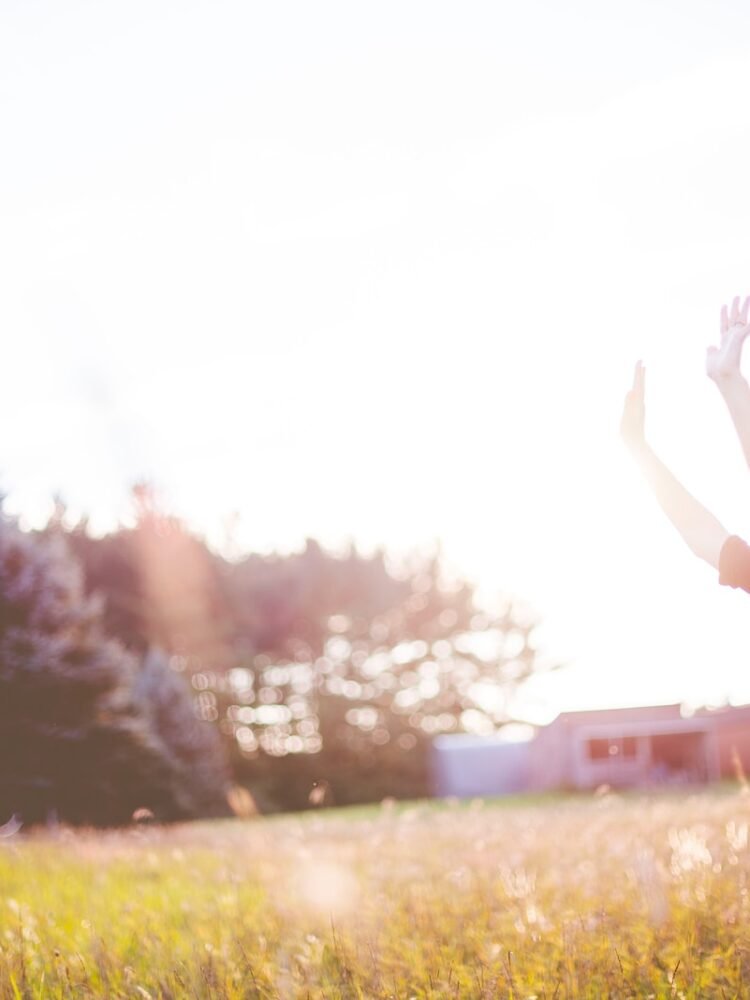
pixel 625 747
pixel 654 746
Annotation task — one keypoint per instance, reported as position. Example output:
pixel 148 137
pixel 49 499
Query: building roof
pixel 641 713
pixel 739 714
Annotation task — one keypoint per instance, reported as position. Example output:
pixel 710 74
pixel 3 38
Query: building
pixel 652 746
pixel 469 766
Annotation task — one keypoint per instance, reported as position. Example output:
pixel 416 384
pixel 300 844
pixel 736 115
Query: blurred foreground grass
pixel 600 897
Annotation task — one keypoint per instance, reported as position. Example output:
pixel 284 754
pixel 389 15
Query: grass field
pixel 599 897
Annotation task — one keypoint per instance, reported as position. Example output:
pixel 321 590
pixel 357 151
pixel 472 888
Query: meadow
pixel 610 896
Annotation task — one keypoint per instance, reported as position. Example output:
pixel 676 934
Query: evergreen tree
pixel 76 739
pixel 186 734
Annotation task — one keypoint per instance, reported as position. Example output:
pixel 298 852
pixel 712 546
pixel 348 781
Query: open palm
pixel 634 409
pixel 724 361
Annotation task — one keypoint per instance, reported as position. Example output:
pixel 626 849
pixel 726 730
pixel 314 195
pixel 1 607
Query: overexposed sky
pixel 381 271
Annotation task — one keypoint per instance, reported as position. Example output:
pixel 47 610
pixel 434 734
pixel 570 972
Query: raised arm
pixel 723 366
pixel 699 528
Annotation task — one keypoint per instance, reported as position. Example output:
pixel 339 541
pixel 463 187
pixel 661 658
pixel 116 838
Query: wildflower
pixel 689 851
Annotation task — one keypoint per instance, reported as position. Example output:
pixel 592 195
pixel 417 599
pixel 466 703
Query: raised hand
pixel 723 362
pixel 699 528
pixel 632 424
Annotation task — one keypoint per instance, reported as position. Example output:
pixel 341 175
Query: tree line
pixel 143 670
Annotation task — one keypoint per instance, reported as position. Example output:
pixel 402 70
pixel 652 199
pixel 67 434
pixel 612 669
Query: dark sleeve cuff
pixel 734 563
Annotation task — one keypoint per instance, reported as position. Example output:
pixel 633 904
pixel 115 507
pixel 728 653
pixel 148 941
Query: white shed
pixel 466 766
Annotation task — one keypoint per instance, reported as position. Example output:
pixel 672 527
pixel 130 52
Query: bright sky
pixel 381 271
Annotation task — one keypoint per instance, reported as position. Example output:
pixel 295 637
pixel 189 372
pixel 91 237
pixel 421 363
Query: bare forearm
pixel 736 394
pixel 702 532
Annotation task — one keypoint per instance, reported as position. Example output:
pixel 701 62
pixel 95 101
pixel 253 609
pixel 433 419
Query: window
pixel 624 747
pixel 598 749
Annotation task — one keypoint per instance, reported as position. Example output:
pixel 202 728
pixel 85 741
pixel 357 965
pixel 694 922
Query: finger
pixel 735 309
pixel 639 378
pixel 745 310
pixel 724 321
